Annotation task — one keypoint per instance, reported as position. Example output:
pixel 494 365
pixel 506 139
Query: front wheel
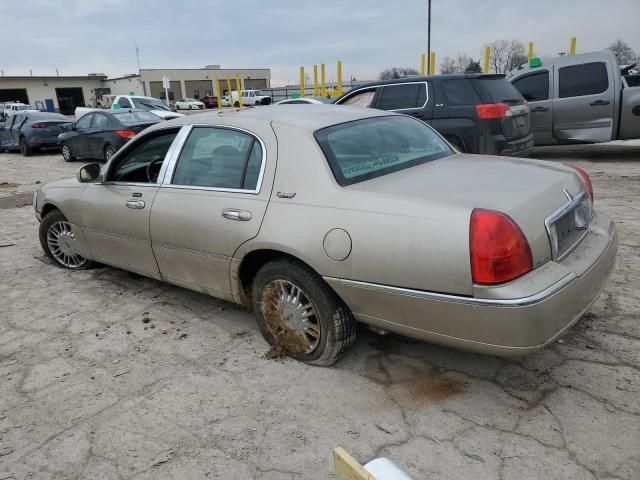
pixel 59 242
pixel 236 104
pixel 66 153
pixel 299 315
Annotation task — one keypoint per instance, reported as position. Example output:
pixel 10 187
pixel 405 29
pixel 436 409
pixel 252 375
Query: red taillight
pixel 38 125
pixel 499 250
pixel 492 110
pixel 126 133
pixel 585 179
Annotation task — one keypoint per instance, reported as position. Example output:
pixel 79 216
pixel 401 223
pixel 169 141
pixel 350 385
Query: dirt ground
pixel 106 375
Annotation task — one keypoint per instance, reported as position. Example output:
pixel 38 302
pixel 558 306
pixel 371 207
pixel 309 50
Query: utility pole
pixel 429 40
pixel 138 56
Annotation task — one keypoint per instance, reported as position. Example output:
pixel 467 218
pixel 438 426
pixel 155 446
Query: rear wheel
pixel 109 151
pixel 299 315
pixel 59 242
pixel 236 104
pixel 66 153
pixel 25 149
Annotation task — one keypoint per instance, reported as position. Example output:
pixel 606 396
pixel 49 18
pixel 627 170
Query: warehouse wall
pixel 124 86
pixel 39 88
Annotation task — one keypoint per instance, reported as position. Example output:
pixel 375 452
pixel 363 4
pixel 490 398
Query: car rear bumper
pixel 504 321
pixel 520 147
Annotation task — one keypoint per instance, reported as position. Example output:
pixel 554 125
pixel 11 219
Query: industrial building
pixel 65 93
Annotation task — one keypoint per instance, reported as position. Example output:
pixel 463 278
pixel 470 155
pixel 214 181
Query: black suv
pixel 477 113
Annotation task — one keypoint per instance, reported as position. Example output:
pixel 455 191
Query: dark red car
pixel 209 102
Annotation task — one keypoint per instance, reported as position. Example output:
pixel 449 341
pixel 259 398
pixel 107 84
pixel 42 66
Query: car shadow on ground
pixel 588 152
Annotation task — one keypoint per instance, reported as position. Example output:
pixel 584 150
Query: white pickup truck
pixel 153 105
pixel 579 99
pixel 250 97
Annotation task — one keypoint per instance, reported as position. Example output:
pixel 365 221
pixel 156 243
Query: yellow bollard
pixel 530 52
pixel 323 88
pixel 339 78
pixel 423 66
pixel 487 56
pixel 302 81
pixel 239 90
pixel 315 80
pixel 229 90
pixel 219 93
pixel 432 63
pixel 572 48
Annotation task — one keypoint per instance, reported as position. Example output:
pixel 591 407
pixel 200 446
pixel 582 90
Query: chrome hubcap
pixel 62 244
pixel 291 316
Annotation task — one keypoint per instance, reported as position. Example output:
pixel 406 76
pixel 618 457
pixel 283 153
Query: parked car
pixel 579 99
pixel 189 104
pixel 304 101
pixel 210 101
pixel 16 107
pixel 27 131
pixel 153 105
pixel 250 97
pixel 100 134
pixel 370 216
pixel 225 101
pixel 477 113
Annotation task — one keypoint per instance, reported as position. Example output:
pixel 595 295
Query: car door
pixel 535 88
pixel 6 139
pixel 96 135
pixel 212 201
pixel 115 212
pixel 584 103
pixel 410 98
pixel 19 120
pixel 78 142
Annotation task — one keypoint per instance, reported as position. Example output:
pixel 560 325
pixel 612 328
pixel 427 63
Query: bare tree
pixel 447 66
pixel 623 52
pixel 397 72
pixel 506 55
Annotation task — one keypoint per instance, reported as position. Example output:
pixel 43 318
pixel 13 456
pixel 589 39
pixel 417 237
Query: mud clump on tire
pixel 286 340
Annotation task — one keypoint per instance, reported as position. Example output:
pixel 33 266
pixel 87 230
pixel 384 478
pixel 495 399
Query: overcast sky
pixel 82 36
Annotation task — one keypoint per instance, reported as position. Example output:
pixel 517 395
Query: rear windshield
pixel 500 90
pixel 372 147
pixel 135 117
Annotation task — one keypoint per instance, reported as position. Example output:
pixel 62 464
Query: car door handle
pixel 138 204
pixel 597 103
pixel 241 215
pixel 540 109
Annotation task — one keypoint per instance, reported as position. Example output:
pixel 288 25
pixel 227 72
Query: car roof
pixel 323 116
pixel 425 78
pixel 45 115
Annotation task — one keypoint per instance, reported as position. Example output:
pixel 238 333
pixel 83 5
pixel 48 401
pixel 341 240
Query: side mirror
pixel 89 173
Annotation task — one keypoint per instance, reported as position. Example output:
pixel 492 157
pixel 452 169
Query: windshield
pixel 134 117
pixel 23 107
pixel 150 104
pixel 373 147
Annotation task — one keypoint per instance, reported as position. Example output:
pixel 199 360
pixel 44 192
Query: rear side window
pixel 397 97
pixel 372 147
pixel 133 117
pixel 124 103
pixel 219 158
pixel 460 92
pixel 99 121
pixel 500 90
pixel 585 79
pixel 534 87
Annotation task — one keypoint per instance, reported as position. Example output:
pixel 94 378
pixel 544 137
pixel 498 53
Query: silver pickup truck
pixel 579 99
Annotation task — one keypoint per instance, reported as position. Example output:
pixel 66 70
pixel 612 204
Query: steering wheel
pixel 152 175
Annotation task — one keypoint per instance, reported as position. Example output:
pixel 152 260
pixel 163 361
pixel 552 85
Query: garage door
pixel 13 95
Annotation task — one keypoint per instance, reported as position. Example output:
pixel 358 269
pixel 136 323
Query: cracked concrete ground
pixel 107 375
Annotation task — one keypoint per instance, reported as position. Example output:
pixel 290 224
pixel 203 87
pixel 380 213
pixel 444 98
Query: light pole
pixel 429 40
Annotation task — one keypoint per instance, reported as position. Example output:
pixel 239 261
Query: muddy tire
pixel 58 242
pixel 25 149
pixel 299 315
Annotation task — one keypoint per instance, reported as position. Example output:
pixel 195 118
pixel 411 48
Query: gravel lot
pixel 108 375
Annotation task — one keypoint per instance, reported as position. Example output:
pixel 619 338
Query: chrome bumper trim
pixel 511 302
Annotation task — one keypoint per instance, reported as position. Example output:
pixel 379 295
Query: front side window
pixel 84 122
pixel 142 162
pixel 534 88
pixel 372 147
pixel 585 79
pixel 398 97
pixel 219 158
pixel 361 99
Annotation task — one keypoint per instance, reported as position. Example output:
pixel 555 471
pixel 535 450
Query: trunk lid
pixel 529 191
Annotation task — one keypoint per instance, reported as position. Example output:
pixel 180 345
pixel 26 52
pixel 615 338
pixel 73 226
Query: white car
pixel 189 104
pixel 150 104
pixel 251 97
pixel 13 108
pixel 304 100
